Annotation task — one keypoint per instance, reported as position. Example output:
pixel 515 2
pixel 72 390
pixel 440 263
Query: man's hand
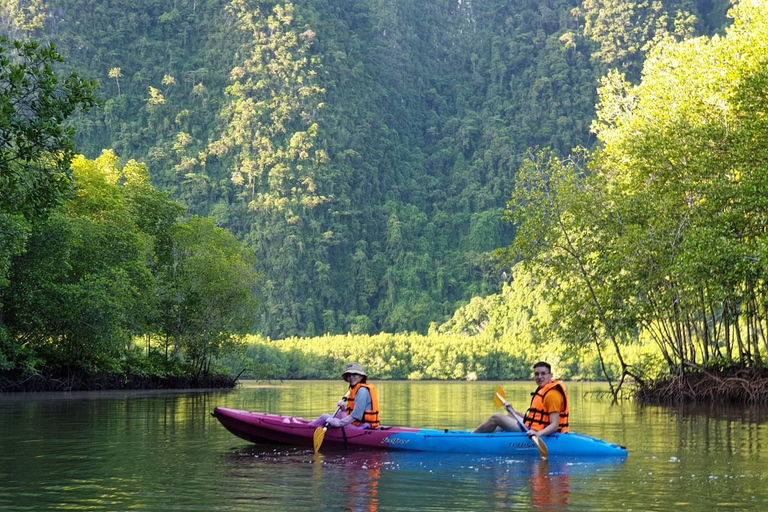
pixel 342 404
pixel 334 422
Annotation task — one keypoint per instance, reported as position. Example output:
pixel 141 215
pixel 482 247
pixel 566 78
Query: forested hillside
pixel 364 149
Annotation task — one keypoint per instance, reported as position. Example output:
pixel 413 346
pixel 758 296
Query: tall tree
pixel 682 153
pixel 206 292
pixel 566 227
pixel 36 145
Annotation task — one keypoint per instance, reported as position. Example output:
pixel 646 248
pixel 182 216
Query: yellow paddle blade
pixel 543 451
pixel 319 434
pixel 499 397
pixel 318 437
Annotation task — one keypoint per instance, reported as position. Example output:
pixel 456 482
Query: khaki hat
pixel 353 367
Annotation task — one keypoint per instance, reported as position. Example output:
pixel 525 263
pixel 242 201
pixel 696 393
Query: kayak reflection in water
pixel 550 490
pixel 547 414
pixel 359 407
pixel 362 489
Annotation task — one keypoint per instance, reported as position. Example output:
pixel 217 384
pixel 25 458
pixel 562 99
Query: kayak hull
pixel 257 427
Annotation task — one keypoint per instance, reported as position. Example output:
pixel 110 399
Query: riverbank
pixel 699 385
pixel 73 380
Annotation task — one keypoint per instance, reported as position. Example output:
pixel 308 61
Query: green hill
pixel 365 149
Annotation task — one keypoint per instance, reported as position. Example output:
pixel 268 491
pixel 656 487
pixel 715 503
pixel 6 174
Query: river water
pixel 162 451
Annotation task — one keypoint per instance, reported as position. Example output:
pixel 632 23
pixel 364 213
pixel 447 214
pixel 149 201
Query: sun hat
pixel 353 367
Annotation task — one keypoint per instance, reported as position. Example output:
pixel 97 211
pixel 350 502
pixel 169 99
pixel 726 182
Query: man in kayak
pixel 547 414
pixel 359 407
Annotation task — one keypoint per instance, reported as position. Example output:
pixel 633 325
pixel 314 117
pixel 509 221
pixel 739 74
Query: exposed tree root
pixel 697 384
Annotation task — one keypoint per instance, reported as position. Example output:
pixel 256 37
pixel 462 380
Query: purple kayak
pixel 259 427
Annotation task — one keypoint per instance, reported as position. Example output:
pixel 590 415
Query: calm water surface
pixel 162 451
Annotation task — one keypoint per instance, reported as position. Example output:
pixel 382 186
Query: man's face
pixel 542 376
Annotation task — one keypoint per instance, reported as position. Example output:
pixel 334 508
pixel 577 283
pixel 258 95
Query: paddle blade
pixel 318 437
pixel 543 451
pixel 499 397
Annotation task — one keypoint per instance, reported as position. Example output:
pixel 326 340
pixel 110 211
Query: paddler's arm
pixel 554 424
pixel 362 400
pixel 508 406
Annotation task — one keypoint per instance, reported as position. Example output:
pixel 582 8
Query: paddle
pixel 319 434
pixel 499 398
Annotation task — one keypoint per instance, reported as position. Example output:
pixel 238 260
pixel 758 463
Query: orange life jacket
pixel 371 416
pixel 537 418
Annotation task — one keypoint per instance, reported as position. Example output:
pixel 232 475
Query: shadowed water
pixel 148 451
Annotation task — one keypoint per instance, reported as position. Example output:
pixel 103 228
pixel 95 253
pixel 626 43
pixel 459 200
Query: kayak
pixel 259 427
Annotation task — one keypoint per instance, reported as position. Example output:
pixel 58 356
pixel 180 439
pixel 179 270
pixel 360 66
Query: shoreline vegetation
pixel 734 384
pixel 67 380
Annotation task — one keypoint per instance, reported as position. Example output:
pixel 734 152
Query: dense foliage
pixel 35 149
pixel 662 228
pixel 496 337
pixel 113 263
pixel 364 149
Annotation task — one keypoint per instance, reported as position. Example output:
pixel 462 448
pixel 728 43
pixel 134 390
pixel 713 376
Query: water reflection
pixel 756 414
pixel 360 473
pixel 712 429
pixel 550 488
pixel 349 481
pixel 370 481
pixel 149 451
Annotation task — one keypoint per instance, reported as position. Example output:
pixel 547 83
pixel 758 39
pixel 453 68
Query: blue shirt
pixel 362 403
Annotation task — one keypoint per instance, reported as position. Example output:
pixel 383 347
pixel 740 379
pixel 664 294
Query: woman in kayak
pixel 547 414
pixel 359 407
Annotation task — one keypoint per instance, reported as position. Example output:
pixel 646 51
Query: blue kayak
pixel 258 427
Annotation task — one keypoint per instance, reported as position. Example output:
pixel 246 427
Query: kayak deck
pixel 257 427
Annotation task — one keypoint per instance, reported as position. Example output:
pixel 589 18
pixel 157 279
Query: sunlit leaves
pixel 84 285
pixel 665 231
pixel 272 111
pixel 682 157
pixel 35 144
pixel 625 30
pixel 114 262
